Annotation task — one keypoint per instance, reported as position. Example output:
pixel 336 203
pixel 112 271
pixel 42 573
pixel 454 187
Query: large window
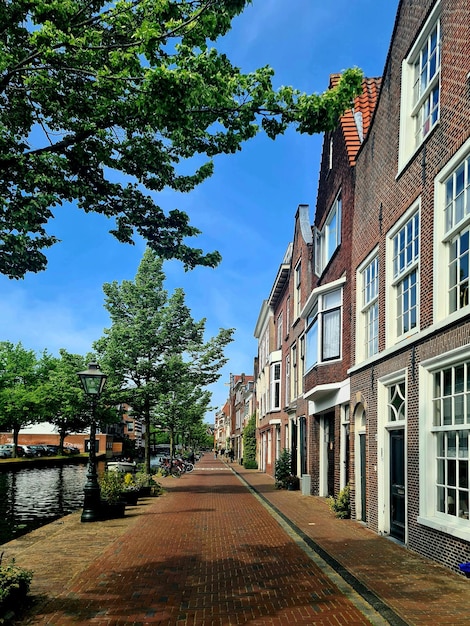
pixel 275 387
pixel 298 290
pixel 452 236
pixel 328 238
pixel 457 218
pixel 323 342
pixel 370 306
pixel 420 88
pixel 426 69
pixel 451 429
pixel 405 275
pixel 279 333
pixel 295 372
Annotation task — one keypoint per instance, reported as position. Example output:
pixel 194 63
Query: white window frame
pixel 287 376
pixel 328 238
pixel 436 426
pixel 287 315
pixel 388 419
pixel 403 277
pixel 420 89
pixel 315 316
pixel 295 371
pixel 297 290
pixel 275 386
pixel 450 224
pixel 280 329
pixel 367 307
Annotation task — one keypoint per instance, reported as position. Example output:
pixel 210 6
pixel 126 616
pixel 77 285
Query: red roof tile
pixel 356 121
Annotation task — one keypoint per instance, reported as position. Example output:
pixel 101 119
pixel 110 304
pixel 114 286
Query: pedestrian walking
pixel 215 454
pixel 231 454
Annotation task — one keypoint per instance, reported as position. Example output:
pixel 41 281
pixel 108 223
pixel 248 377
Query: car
pixel 5 452
pixel 9 446
pixel 51 450
pixel 71 449
pixel 39 450
pixel 28 451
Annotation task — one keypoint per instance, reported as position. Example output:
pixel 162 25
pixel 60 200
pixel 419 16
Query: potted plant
pixel 112 504
pixel 14 586
pixel 144 483
pixel 292 483
pixel 130 490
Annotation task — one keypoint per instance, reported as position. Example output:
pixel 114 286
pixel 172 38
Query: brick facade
pixel 387 186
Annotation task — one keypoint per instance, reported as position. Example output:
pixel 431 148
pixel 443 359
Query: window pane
pixel 458 410
pixel 312 345
pixel 332 299
pixel 441 444
pixel 463 474
pixel 331 335
pixel 441 494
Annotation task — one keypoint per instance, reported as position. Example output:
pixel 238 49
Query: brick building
pixel 364 342
pixel 410 381
pixel 326 314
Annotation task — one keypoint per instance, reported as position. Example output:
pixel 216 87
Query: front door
pixel 294 449
pixel 397 484
pixel 330 421
pixel 362 461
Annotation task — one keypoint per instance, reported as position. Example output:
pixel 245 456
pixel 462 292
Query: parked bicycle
pixel 175 466
pixel 169 468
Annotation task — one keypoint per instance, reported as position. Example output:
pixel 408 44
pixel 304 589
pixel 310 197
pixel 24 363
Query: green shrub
pixel 341 505
pixel 14 585
pixel 111 486
pixel 249 444
pixel 250 464
pixel 283 469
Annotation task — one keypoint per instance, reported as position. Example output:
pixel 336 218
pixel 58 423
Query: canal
pixel 33 496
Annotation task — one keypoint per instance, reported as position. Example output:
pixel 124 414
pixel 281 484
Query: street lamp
pixel 93 381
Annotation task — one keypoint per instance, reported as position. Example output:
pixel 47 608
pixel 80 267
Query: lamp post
pixel 93 381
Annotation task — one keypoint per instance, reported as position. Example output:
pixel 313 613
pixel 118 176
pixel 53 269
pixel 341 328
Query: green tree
pixel 89 90
pixel 64 403
pixel 181 410
pixel 21 377
pixel 153 344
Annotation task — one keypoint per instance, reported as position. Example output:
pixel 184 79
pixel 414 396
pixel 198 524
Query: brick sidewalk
pixel 417 590
pixel 210 553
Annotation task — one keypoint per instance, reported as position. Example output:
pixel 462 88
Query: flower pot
pixel 130 497
pixel 112 510
pixel 465 568
pixel 145 492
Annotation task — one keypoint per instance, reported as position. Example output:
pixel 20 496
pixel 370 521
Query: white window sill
pixel 458 528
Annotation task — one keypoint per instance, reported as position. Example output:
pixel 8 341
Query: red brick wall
pixel 379 184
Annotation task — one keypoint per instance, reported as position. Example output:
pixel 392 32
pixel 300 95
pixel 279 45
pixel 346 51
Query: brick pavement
pixel 209 553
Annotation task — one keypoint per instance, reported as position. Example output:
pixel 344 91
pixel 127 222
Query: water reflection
pixel 32 497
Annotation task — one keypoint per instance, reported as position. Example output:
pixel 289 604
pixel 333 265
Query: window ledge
pixel 459 528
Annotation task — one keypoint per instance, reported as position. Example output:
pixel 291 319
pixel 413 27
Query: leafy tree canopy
pixel 92 92
pixel 21 377
pixel 154 347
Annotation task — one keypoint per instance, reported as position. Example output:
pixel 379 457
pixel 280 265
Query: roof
pixel 355 122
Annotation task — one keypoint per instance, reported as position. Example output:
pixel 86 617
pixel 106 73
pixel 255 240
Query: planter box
pixel 112 510
pixel 130 497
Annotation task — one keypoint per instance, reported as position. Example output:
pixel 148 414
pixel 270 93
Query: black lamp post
pixel 93 381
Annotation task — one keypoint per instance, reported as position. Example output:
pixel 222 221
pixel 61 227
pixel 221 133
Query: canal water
pixel 31 497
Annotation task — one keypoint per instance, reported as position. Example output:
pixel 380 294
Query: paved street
pixel 211 552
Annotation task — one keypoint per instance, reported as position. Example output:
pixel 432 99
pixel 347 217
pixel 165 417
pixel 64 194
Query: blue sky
pixel 246 210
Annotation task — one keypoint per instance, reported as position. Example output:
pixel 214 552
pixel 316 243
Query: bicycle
pixel 169 468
